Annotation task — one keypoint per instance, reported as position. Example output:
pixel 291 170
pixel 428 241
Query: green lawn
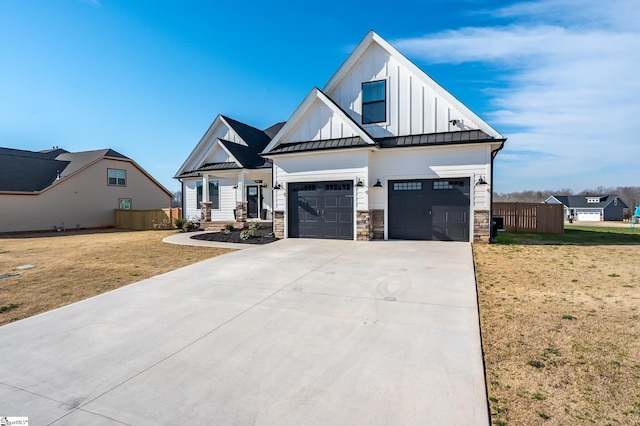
pixel 587 235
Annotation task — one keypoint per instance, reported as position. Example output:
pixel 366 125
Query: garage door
pixel 431 209
pixel 321 210
pixel 589 216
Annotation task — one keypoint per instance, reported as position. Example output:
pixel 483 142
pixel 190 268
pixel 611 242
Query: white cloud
pixel 572 84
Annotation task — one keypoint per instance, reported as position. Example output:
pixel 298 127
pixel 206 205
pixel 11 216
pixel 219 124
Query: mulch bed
pixel 262 237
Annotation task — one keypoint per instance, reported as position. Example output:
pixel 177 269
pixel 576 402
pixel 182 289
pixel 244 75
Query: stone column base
pixel 205 211
pixel 278 224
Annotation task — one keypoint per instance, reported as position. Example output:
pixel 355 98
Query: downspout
pixel 493 156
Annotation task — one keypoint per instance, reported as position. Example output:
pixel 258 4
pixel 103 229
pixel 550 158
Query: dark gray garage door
pixel 321 210
pixel 434 209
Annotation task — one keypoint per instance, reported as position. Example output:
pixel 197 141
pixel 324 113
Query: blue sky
pixel 559 78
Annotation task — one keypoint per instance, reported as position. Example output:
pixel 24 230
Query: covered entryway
pixel 321 210
pixel 429 209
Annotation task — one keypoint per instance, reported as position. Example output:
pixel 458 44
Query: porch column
pixel 205 204
pixel 241 203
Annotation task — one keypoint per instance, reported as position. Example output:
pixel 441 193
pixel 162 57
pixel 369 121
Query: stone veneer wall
pixel 205 211
pixel 481 226
pixel 377 220
pixel 241 211
pixel 278 224
pixel 364 226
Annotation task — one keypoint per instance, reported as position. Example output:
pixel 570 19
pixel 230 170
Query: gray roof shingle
pixel 33 171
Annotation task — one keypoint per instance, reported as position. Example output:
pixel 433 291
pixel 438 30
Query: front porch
pixel 242 218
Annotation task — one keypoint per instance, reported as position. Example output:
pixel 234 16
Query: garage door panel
pixel 429 209
pixel 321 210
pixel 450 223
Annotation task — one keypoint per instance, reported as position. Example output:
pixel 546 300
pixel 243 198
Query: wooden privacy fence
pixel 531 217
pixel 140 220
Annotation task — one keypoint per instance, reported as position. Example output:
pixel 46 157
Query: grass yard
pixel 560 317
pixel 72 267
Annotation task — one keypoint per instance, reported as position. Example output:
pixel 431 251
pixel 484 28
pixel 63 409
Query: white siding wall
pixel 83 201
pixel 446 162
pixel 189 195
pixel 322 167
pixel 413 107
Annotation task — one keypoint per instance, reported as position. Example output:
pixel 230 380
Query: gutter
pixel 494 153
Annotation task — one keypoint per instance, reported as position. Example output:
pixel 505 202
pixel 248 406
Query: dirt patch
pixel 261 237
pixel 72 267
pixel 561 332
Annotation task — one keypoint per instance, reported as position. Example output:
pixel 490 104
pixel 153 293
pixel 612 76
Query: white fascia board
pixel 373 37
pixel 206 144
pixel 200 147
pixel 315 95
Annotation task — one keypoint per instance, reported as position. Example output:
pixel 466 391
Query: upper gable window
pixel 117 177
pixel 374 102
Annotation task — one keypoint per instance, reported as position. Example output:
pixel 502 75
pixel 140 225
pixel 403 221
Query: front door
pixel 253 203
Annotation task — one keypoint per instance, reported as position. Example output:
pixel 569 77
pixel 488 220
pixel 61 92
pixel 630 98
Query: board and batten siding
pixel 413 107
pixel 83 200
pixel 322 124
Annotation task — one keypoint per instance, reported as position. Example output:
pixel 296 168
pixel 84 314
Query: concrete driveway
pixel 295 332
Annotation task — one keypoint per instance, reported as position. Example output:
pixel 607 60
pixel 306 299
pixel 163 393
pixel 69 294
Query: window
pixel 124 203
pixel 214 191
pixel 447 184
pixel 117 177
pixel 407 186
pixel 374 102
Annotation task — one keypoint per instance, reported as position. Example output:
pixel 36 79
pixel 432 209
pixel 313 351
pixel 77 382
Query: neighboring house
pixel 383 152
pixel 227 162
pixel 56 189
pixel 590 208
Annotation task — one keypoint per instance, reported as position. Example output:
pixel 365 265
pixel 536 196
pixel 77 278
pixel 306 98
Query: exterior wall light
pixel 377 184
pixel 360 183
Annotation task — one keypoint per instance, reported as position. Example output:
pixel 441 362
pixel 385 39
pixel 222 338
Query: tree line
pixel 629 194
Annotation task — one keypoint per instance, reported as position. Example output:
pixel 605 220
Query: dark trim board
pixel 321 210
pixel 429 209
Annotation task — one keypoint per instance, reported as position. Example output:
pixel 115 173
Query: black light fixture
pixel 235 186
pixel 481 181
pixel 258 181
pixel 377 184
pixel 278 185
pixel 360 183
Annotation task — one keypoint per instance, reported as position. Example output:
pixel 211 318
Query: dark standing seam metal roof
pixel 247 155
pixel 217 166
pixel 447 138
pixel 30 171
pixel 351 142
pixel 580 201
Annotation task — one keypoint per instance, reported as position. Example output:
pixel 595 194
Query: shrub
pixel 254 226
pixel 192 224
pixel 246 234
pixel 228 228
pixel 179 222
